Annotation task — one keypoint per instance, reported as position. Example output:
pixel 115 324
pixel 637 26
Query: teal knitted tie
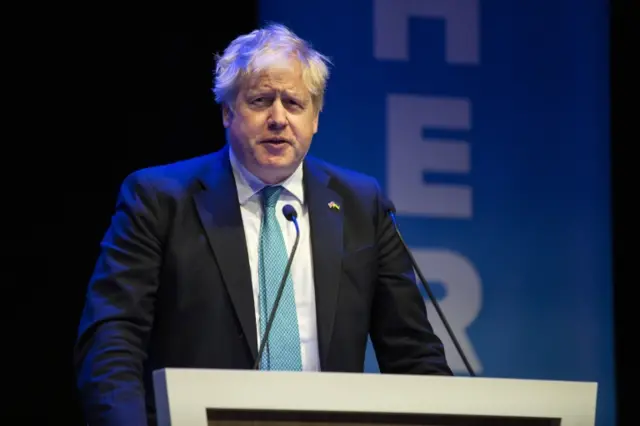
pixel 282 350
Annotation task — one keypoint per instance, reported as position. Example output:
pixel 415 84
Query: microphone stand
pixel 391 213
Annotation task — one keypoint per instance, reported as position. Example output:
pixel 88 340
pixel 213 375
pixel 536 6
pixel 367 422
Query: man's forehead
pixel 277 79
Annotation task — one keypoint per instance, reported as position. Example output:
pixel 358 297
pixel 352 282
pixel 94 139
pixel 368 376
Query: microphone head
pixel 388 206
pixel 289 212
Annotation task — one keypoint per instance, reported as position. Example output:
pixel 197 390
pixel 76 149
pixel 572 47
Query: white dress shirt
pixel 249 187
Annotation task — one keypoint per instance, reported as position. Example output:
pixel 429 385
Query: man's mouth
pixel 275 141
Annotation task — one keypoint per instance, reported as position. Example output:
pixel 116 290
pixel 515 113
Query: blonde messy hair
pixel 250 53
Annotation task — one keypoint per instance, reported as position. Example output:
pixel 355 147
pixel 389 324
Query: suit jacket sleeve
pixel 118 311
pixel 401 333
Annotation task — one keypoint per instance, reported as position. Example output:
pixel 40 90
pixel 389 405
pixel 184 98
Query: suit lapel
pixel 327 245
pixel 219 211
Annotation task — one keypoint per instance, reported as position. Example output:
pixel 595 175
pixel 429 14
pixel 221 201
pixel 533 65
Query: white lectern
pixel 194 397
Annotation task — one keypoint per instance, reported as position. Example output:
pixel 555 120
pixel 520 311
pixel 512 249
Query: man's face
pixel 272 122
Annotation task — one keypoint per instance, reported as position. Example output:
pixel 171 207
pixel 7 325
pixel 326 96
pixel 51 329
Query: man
pixel 193 259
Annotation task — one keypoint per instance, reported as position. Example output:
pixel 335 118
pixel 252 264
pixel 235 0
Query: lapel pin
pixel 334 206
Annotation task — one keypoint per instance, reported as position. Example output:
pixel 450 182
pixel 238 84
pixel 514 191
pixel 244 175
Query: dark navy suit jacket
pixel 172 286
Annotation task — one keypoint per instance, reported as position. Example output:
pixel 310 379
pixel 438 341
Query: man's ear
pixel 227 115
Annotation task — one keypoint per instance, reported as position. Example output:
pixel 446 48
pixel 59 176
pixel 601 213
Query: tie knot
pixel 270 195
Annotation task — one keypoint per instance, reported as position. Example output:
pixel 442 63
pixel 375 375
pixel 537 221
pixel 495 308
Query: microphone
pixel 390 210
pixel 290 213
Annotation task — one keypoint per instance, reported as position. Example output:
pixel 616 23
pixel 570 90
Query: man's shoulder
pixel 344 176
pixel 174 177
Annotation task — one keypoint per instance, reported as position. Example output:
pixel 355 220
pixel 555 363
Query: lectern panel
pixel 198 397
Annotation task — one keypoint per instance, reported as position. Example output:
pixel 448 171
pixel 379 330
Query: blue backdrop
pixel 487 124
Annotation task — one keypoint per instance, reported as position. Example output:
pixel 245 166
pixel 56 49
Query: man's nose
pixel 277 116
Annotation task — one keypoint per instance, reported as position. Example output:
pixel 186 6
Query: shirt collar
pixel 247 184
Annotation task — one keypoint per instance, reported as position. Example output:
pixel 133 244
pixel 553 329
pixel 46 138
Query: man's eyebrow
pixel 286 92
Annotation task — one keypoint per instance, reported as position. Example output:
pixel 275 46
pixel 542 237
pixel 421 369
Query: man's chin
pixel 276 169
pixel 283 161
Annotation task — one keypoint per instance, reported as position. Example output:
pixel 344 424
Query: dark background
pixel 102 101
